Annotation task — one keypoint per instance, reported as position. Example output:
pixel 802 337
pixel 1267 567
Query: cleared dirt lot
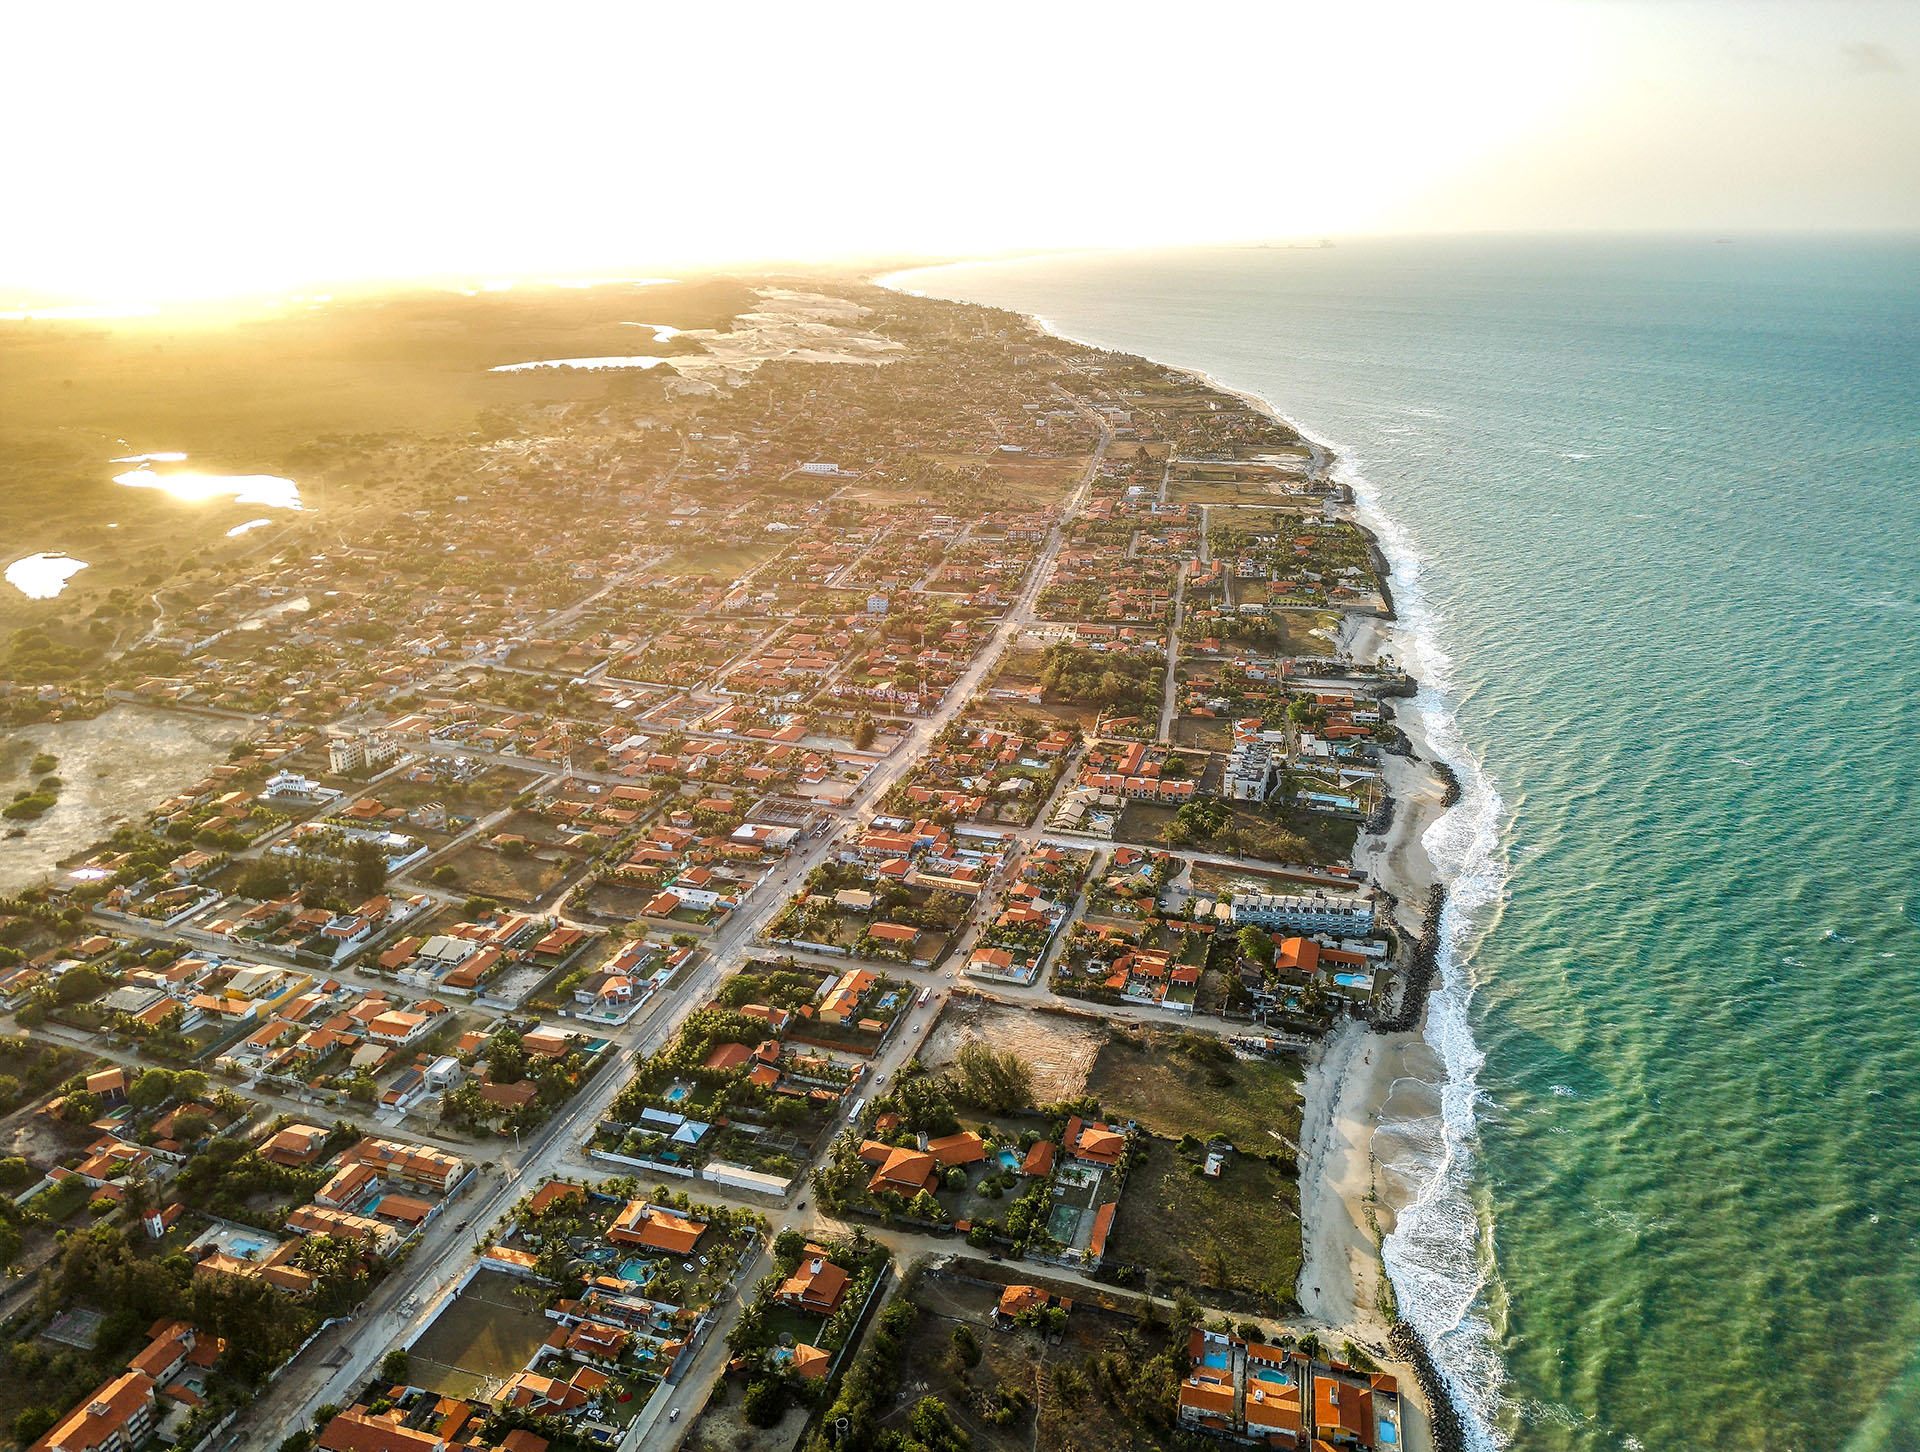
pixel 1059 1049
pixel 485 1334
pixel 723 1426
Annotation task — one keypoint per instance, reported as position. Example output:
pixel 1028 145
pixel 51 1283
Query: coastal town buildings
pixel 635 796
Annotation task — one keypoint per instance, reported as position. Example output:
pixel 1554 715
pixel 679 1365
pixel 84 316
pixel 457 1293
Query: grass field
pixel 1238 1235
pixel 1278 491
pixel 1019 1361
pixel 487 1331
pixel 1295 629
pixel 1208 733
pixel 1270 834
pixel 1212 880
pixel 1036 480
pixel 725 561
pixel 488 873
pixel 1176 1083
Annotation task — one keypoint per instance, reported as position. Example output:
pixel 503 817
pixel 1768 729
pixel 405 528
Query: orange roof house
pixel 1273 1408
pixel 1015 1299
pixel 648 1225
pixel 906 1171
pixel 817 1284
pixel 118 1414
pixel 1342 1410
pixel 964 1148
pixel 551 1194
pixel 598 1342
pixel 1206 1403
pixel 727 1056
pixel 1102 1228
pixel 296 1145
pixel 1096 1143
pixel 531 1392
pixel 358 1432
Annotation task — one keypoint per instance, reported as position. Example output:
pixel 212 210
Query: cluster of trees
pixel 103 1267
pixel 780 988
pixel 227 1176
pixel 728 1091
pixel 1026 1221
pixel 335 880
pixel 868 1388
pixel 770 1389
pixel 995 1080
pixel 28 1069
pixel 34 656
pixel 147 857
pixel 1139 1379
pixel 79 985
pixel 508 1062
pixel 1129 684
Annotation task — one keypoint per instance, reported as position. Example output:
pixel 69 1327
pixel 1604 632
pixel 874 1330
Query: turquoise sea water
pixel 1656 507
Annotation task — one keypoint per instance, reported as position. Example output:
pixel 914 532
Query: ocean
pixel 1654 509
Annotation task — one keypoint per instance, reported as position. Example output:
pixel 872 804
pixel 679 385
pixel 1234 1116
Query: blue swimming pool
pixel 635 1270
pixel 677 1093
pixel 1010 1158
pixel 1389 1434
pixel 1218 1360
pixel 1353 980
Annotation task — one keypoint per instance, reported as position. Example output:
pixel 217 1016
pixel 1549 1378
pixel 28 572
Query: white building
pixel 1350 917
pixel 1249 772
pixel 369 748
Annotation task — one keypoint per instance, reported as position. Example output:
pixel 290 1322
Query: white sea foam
pixel 1440 1255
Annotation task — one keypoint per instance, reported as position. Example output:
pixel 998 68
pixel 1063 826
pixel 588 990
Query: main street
pixel 343 1356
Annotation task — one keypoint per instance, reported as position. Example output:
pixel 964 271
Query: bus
pixel 926 997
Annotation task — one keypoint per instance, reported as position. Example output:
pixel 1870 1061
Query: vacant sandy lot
pixel 1059 1049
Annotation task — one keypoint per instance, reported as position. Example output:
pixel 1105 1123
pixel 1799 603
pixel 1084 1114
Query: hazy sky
pixel 157 150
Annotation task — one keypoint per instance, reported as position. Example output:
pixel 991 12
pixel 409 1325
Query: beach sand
pixel 1354 1074
pixel 1397 861
pixel 1366 1094
pixel 1369 1097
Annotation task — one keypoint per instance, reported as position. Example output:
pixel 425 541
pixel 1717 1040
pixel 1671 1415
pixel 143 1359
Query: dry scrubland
pixel 1059 1049
pixel 348 401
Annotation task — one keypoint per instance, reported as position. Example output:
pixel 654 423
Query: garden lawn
pixel 1238 1235
pixel 1147 1074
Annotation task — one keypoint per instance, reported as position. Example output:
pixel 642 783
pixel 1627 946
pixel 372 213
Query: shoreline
pixel 1364 1083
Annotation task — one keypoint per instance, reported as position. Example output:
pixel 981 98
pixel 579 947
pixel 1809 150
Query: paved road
pixel 344 1356
pixel 1170 690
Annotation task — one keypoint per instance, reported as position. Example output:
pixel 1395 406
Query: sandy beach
pixel 1367 1095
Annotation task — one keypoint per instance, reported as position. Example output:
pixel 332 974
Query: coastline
pixel 1361 1082
pixel 1363 1087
